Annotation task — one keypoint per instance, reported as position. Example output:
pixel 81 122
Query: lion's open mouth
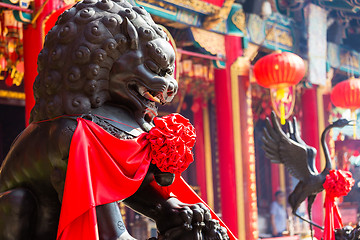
pixel 148 99
pixel 151 96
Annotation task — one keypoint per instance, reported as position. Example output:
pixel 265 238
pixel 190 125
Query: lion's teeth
pixel 151 97
pixel 145 93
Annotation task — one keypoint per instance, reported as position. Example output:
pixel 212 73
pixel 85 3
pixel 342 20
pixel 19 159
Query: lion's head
pixel 104 51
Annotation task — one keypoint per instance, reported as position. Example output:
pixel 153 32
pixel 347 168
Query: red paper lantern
pixel 346 94
pixel 279 70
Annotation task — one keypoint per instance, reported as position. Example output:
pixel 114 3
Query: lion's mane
pixel 79 51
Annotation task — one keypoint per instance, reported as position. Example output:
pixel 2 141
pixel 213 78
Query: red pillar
pixel 226 149
pixel 200 148
pixel 310 134
pixel 225 123
pixel 33 42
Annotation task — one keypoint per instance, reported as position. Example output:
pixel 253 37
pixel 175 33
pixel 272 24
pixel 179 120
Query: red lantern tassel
pixel 280 95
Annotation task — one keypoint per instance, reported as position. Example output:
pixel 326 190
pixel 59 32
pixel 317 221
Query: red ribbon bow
pixel 338 183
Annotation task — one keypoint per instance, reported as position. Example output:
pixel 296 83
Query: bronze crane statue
pixel 299 159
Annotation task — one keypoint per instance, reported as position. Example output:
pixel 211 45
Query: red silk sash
pixel 103 169
pixel 332 218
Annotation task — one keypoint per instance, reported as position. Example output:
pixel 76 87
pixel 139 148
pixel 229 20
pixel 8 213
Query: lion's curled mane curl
pixel 79 52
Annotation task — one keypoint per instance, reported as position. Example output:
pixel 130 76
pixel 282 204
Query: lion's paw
pixel 214 231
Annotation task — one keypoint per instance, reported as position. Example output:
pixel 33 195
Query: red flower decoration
pixel 338 183
pixel 171 143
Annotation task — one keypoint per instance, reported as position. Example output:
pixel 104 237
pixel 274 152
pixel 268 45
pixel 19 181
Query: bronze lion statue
pixel 108 62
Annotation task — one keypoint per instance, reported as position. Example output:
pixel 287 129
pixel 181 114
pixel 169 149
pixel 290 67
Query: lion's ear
pixel 134 37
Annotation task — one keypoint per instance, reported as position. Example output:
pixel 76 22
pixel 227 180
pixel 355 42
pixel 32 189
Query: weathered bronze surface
pixel 299 159
pixel 348 233
pixel 102 58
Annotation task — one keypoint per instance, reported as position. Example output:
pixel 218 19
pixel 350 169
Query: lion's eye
pixel 152 67
pixel 162 73
pixel 170 71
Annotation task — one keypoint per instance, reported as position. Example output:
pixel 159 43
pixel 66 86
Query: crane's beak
pixel 352 123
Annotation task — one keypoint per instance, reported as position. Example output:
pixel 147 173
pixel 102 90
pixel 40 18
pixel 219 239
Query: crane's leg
pixel 311 200
pixel 296 198
pixel 308 221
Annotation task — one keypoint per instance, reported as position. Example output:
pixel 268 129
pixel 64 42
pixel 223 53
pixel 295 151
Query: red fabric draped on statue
pixel 215 2
pixel 338 183
pixel 103 169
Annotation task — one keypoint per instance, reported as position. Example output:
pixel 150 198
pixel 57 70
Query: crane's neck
pixel 328 164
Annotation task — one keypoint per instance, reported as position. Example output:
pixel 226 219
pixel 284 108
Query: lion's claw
pixel 214 231
pixel 189 221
